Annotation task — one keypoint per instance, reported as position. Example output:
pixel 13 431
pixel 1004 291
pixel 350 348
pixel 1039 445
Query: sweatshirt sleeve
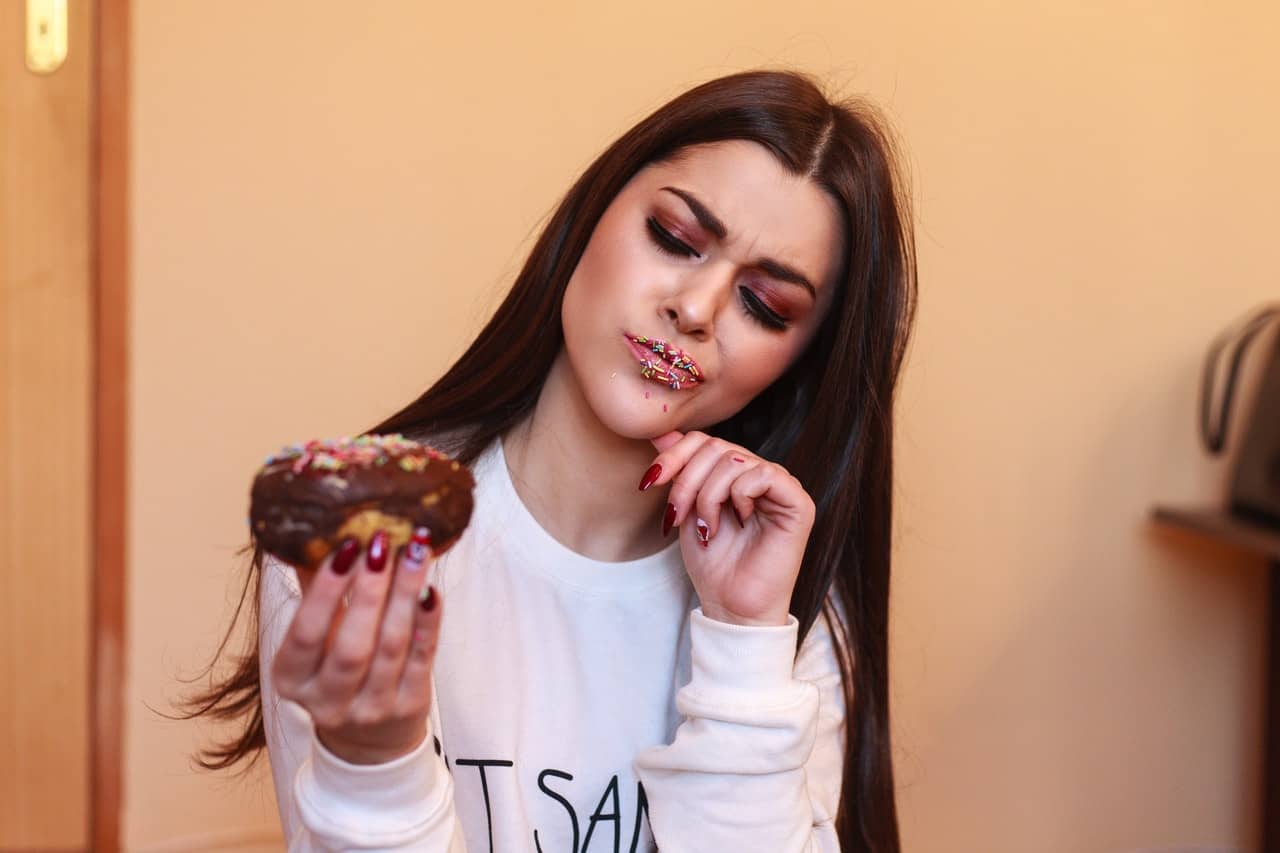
pixel 325 803
pixel 756 764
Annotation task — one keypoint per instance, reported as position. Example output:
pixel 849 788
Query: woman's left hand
pixel 744 572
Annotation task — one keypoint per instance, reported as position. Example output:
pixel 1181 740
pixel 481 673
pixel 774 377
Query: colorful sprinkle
pixel 670 360
pixel 330 455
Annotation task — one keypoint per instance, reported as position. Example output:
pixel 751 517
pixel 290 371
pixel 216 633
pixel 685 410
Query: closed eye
pixel 667 242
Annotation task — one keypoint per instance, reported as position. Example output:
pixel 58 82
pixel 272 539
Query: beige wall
pixel 331 197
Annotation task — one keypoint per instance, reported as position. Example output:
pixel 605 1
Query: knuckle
pixel 393 640
pixel 367 714
pixel 301 639
pixel 348 661
pixel 308 642
pixel 327 717
pixel 423 651
pixel 414 706
pixel 367 595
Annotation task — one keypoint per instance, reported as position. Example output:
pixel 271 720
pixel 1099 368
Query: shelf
pixel 1220 525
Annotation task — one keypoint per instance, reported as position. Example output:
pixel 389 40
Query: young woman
pixel 667 622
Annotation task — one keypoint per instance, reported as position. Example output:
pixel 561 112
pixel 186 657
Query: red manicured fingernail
pixel 377 559
pixel 347 553
pixel 704 532
pixel 429 602
pixel 668 519
pixel 654 472
pixel 738 459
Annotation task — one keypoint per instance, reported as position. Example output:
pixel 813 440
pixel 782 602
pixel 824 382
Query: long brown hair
pixel 828 419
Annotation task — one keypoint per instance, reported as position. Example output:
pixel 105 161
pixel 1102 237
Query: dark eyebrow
pixel 712 223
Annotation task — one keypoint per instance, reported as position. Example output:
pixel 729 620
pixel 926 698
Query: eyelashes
pixel 666 241
pixel 754 308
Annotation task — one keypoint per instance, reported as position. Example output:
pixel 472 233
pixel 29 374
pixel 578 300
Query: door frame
pixel 110 353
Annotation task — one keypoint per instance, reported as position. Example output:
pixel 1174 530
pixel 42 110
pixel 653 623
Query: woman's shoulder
pixel 279 579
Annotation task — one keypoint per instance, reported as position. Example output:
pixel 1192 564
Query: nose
pixel 692 308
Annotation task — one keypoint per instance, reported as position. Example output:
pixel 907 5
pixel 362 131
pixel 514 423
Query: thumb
pixel 662 442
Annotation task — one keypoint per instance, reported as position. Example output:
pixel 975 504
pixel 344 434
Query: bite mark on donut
pixel 363 524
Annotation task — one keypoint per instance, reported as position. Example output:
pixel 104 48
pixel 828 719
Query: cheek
pixel 607 257
pixel 598 289
pixel 752 371
pixel 752 374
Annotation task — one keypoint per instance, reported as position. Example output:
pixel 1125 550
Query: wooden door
pixel 57 792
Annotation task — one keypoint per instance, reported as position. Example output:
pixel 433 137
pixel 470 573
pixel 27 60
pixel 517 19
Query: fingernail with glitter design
pixel 704 532
pixel 428 601
pixel 377 559
pixel 668 519
pixel 416 550
pixel 347 553
pixel 650 476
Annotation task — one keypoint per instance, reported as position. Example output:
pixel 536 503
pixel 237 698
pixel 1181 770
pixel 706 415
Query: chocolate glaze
pixel 296 510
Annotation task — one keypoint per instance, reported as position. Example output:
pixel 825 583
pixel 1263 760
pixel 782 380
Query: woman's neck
pixel 580 480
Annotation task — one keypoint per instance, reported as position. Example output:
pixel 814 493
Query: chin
pixel 620 405
pixel 634 418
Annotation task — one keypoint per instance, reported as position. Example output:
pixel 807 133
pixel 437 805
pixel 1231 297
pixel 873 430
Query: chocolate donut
pixel 309 497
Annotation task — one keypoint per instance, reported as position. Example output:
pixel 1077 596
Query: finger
pixel 415 680
pixel 303 648
pixel 381 684
pixel 305 580
pixel 715 491
pixel 689 482
pixel 347 662
pixel 662 442
pixel 769 485
pixel 672 460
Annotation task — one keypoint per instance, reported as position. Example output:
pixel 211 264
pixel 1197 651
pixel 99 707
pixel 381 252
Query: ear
pixel 664 441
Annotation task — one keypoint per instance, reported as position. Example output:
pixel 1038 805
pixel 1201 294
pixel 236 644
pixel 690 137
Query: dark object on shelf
pixel 1242 533
pixel 1265 541
pixel 1255 478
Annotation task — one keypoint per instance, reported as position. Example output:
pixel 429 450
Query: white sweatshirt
pixel 578 706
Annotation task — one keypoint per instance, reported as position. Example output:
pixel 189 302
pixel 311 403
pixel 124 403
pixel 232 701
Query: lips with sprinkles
pixel 669 364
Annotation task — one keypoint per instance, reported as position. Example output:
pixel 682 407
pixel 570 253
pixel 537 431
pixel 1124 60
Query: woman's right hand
pixel 363 670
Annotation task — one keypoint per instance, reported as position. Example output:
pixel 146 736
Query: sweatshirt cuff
pixel 387 802
pixel 741 657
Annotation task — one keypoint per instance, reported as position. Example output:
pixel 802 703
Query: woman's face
pixel 722 262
